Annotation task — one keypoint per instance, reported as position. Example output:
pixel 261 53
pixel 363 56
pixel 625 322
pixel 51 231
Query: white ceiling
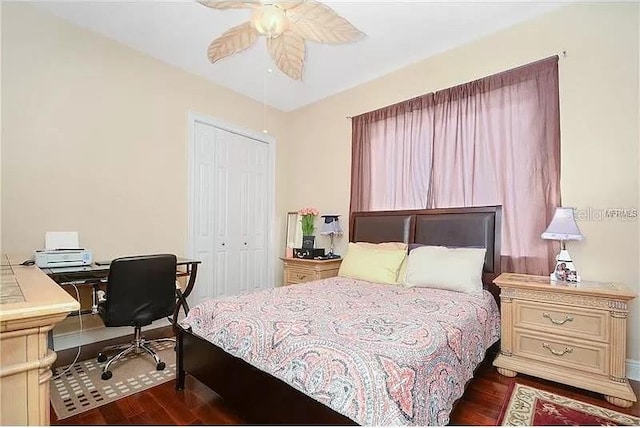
pixel 398 33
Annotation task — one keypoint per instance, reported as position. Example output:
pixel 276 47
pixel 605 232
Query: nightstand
pixel 305 270
pixel 572 333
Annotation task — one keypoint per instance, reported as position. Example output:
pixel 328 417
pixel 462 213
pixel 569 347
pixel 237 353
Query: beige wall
pixel 599 123
pixel 94 138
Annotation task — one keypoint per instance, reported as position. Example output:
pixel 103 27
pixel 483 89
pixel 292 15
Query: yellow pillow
pixel 402 272
pixel 383 245
pixel 372 264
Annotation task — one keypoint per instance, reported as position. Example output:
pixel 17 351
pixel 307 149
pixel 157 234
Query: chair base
pixel 138 345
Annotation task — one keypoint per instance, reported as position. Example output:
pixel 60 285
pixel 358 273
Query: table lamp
pixel 331 227
pixel 563 227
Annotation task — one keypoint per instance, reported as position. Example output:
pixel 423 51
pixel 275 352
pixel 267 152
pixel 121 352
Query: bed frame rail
pixel 257 396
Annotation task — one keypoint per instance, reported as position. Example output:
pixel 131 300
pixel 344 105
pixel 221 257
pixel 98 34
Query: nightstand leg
pixel 506 372
pixel 620 402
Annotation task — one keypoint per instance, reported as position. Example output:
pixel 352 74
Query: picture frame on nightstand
pixel 293 237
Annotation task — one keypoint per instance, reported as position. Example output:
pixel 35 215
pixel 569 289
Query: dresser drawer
pixel 590 324
pixel 296 276
pixel 559 351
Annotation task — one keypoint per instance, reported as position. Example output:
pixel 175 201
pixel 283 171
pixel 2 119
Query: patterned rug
pixel 534 407
pixel 81 388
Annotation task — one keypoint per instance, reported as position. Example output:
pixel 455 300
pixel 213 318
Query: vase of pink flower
pixel 307 221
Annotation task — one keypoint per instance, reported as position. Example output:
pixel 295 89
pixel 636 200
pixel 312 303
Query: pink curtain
pixel 494 141
pixel 389 150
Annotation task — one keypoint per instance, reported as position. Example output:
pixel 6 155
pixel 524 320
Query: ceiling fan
pixel 286 25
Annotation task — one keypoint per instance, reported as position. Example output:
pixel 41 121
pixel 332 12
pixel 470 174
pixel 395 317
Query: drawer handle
pixel 566 350
pixel 557 322
pixel 301 276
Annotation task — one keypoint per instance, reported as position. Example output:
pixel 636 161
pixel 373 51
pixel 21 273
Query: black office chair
pixel 140 290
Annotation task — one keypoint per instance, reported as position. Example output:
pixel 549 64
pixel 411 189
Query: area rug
pixel 533 407
pixel 81 388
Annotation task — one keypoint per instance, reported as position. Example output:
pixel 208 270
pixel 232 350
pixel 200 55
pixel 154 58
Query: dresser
pixel 305 270
pixel 569 333
pixel 30 305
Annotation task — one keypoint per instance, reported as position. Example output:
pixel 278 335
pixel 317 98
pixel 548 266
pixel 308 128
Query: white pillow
pixel 455 269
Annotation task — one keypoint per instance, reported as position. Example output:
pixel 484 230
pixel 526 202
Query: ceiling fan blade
pixel 288 52
pixel 232 41
pixel 319 23
pixel 229 4
pixel 287 4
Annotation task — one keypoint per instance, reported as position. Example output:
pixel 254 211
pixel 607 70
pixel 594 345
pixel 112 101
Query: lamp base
pixel 565 270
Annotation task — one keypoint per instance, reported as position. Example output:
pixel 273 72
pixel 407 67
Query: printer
pixel 63 258
pixel 62 249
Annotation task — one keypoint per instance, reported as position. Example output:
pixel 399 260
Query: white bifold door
pixel 231 210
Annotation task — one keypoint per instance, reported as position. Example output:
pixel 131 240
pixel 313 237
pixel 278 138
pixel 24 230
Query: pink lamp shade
pixel 563 226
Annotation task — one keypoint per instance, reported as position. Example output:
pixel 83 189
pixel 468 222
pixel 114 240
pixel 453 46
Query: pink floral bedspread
pixel 378 354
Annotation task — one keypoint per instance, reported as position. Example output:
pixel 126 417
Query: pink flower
pixel 307 221
pixel 309 211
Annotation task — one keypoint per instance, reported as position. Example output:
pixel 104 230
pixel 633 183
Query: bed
pixel 360 349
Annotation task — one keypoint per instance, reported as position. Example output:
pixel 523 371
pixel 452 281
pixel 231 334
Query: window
pixel 494 141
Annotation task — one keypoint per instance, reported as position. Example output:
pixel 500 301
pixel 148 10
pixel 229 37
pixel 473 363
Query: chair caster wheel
pixel 102 358
pixel 106 375
pixel 161 366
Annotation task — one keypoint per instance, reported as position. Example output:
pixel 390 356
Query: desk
pixel 30 306
pixel 95 274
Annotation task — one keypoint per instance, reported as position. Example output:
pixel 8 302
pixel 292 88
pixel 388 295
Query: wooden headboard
pixel 450 227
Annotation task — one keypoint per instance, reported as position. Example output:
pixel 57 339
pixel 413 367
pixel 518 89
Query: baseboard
pixel 633 369
pixel 85 337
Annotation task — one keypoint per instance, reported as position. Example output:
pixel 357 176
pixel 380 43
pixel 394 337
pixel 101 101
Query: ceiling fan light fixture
pixel 287 25
pixel 269 20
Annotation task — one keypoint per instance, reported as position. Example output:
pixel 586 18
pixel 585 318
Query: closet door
pixel 225 243
pixel 252 162
pixel 204 199
pixel 231 219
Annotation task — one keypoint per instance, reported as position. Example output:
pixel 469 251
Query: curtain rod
pixel 562 54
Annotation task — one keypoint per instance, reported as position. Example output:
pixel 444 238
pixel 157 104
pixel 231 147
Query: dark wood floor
pixel 198 405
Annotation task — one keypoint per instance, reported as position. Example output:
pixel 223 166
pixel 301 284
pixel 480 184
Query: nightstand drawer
pixel 296 276
pixel 588 357
pixel 297 271
pixel 591 324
